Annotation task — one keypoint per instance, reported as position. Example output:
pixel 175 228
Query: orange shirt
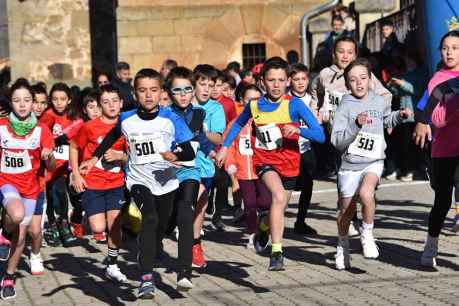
pixel 104 175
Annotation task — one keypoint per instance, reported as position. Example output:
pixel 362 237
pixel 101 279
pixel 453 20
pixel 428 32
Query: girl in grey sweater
pixel 358 134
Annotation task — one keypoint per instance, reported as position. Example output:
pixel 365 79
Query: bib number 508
pixel 14 162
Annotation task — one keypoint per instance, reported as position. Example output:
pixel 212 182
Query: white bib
pixel 303 143
pixel 110 167
pixel 15 162
pixel 271 137
pixel 61 152
pixel 146 148
pixel 367 145
pixel 245 146
pixel 332 99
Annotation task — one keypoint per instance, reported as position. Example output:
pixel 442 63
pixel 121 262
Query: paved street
pixel 237 276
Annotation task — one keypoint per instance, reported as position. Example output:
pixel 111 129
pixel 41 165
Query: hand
pixel 169 156
pixel 87 165
pixel 396 81
pixel 422 133
pixel 46 153
pixel 113 155
pixel 363 119
pixel 221 156
pixel 78 182
pixel 406 113
pixel 231 170
pixel 289 130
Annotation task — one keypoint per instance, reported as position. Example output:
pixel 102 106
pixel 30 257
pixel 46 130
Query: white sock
pixel 367 227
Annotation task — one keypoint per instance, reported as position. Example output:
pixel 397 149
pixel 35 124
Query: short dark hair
pixel 387 23
pixel 337 18
pixel 73 110
pixel 109 88
pixel 179 72
pixel 39 89
pixel 274 63
pixel 148 73
pixel 292 57
pixel 358 62
pixel 346 39
pixel 243 88
pixel 245 72
pixel 294 69
pixel 454 33
pixel 21 83
pixel 93 95
pixel 221 76
pixel 230 80
pixel 235 66
pixel 170 63
pixel 122 66
pixel 205 71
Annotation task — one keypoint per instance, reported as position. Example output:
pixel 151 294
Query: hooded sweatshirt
pixel 363 146
pixel 328 88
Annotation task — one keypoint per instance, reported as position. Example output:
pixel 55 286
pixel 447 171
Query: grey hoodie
pixel 361 147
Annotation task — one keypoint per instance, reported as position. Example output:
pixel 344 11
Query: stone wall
pixel 49 40
pixel 205 31
pixel 4 49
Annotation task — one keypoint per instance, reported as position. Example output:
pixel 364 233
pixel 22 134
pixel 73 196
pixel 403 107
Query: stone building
pixel 69 40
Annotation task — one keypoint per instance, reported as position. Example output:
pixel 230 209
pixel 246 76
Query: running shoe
pixel 8 291
pixel 342 256
pixel 407 178
pixel 198 257
pixel 114 274
pixel 77 230
pixel 370 249
pixel 184 282
pixel 276 262
pixel 353 229
pixel 429 256
pixel 238 215
pixel 260 241
pixel 5 248
pixel 99 237
pixel 217 223
pixel 302 228
pixel 36 264
pixel 391 176
pixel 147 287
pixel 52 236
pixel 66 233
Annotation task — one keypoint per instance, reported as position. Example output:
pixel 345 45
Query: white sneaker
pixel 430 253
pixel 36 264
pixel 113 273
pixel 392 176
pixel 353 230
pixel 250 244
pixel 342 256
pixel 407 178
pixel 370 249
pixel 184 284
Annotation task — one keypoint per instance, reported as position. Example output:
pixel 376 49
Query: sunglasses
pixel 182 90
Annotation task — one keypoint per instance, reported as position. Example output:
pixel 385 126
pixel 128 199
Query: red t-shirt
pixel 21 158
pixel 229 108
pixel 60 124
pixel 104 175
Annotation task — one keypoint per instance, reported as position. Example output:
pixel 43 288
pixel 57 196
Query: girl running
pixel 24 143
pixel 157 138
pixel 358 134
pixel 239 163
pixel 276 118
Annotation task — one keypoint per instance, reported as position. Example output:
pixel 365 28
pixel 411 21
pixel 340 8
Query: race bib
pixel 269 138
pixel 146 148
pixel 367 145
pixel 245 146
pixel 15 162
pixel 191 163
pixel 303 143
pixel 332 99
pixel 113 167
pixel 61 152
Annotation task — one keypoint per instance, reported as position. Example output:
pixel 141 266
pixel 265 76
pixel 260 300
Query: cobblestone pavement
pixel 237 276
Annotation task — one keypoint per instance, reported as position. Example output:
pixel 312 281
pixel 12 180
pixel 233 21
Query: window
pixel 253 54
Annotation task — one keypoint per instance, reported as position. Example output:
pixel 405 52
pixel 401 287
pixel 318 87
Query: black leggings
pixel 56 196
pixel 445 170
pixel 156 211
pixel 220 191
pixel 305 184
pixel 182 215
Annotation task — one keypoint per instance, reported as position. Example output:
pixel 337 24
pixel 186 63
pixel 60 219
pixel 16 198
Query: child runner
pixel 61 118
pixel 299 81
pixel 239 163
pixel 358 134
pixel 152 133
pixel 444 95
pixel 103 187
pixel 214 126
pixel 24 143
pixel 181 91
pixel 276 156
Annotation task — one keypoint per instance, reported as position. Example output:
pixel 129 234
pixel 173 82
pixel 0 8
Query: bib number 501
pixel 144 148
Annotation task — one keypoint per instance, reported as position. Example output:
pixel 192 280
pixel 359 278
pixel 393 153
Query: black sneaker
pixel 52 236
pixel 276 262
pixel 8 291
pixel 66 233
pixel 184 282
pixel 302 228
pixel 147 287
pixel 260 241
pixel 238 215
pixel 218 223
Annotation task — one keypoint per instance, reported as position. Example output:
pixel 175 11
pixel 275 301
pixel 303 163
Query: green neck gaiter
pixel 22 128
